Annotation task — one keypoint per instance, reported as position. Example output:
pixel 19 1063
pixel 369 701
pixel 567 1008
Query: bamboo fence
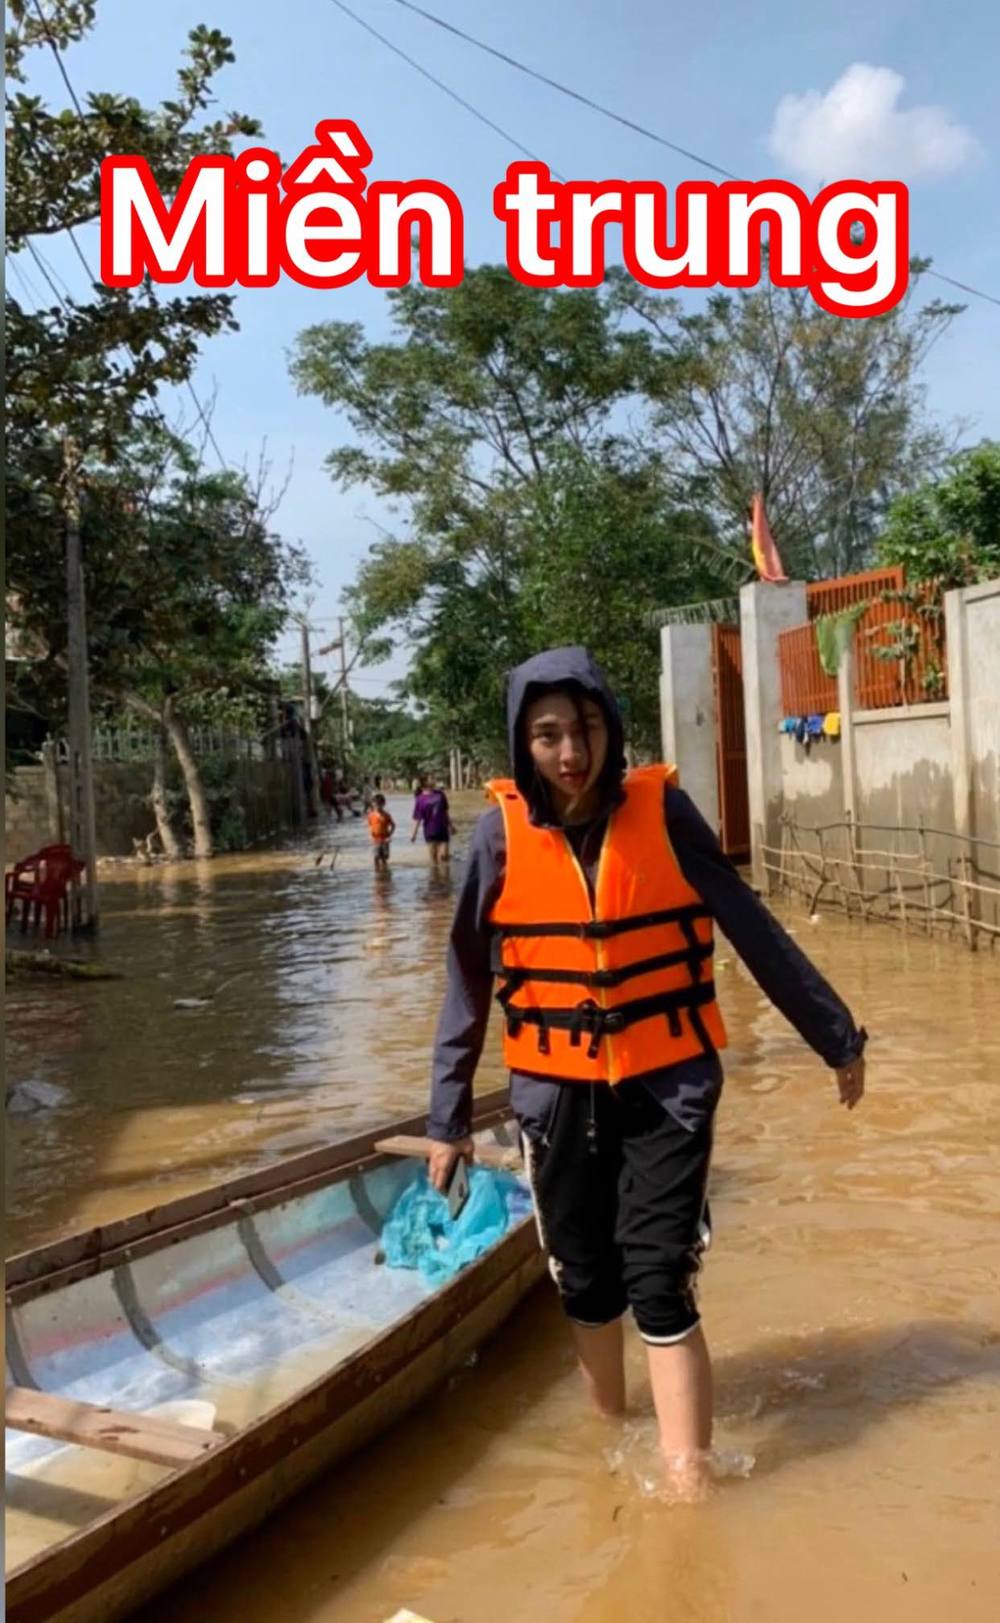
pixel 899 880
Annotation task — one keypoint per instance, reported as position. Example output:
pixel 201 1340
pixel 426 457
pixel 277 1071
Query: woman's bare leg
pixel 601 1353
pixel 681 1379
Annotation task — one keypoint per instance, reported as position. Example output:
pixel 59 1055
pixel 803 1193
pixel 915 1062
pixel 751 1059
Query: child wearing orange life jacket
pixel 592 893
pixel 381 827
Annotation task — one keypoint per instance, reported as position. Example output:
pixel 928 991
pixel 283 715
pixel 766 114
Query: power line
pixel 427 74
pixel 565 90
pixel 606 112
pixel 53 47
pixel 25 281
pixel 36 256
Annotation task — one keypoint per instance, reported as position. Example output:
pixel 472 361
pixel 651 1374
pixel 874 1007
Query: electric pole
pixel 307 720
pixel 82 827
pixel 345 715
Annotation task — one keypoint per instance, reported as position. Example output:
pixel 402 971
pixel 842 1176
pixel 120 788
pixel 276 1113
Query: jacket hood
pixel 547 670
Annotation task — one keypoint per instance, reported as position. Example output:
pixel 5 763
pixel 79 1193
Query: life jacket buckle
pixel 613 1022
pixel 596 929
pixel 603 977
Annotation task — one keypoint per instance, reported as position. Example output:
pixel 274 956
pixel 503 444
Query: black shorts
pixel 620 1191
pixel 381 850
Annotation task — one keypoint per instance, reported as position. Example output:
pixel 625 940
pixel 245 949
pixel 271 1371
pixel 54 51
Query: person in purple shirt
pixel 430 808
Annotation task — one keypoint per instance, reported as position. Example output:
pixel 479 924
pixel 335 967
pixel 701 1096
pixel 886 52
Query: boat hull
pixel 117 1562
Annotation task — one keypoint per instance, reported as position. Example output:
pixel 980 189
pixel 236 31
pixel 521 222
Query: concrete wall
pixel 813 782
pixel 765 610
pixel 121 807
pixel 935 765
pixel 687 713
pixel 36 812
pixel 973 639
pixel 903 766
pixel 28 822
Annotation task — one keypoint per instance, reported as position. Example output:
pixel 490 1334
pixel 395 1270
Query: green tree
pixel 762 390
pixel 186 582
pixel 86 365
pixel 188 588
pixel 948 529
pixel 496 419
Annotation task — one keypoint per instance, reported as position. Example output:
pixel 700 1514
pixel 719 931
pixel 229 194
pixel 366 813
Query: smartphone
pixel 457 1192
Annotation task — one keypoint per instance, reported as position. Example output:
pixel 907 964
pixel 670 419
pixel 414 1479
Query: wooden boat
pixel 175 1376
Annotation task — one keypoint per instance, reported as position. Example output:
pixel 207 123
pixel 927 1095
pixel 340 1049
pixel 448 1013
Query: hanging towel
pixel 814 726
pixel 834 633
pixel 831 724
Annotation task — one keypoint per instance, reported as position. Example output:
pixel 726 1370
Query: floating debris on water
pixel 24 1098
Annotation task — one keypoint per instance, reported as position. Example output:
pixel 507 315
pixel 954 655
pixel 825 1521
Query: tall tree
pixel 88 368
pixel 762 390
pixel 482 419
pixel 188 588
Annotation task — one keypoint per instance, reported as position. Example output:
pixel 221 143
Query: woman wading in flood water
pixel 591 892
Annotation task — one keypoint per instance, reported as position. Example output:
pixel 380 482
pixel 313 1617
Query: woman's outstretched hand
pixel 441 1161
pixel 851 1082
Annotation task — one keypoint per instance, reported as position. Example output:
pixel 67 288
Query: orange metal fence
pixel 913 634
pixel 830 596
pixel 806 689
pixel 899 654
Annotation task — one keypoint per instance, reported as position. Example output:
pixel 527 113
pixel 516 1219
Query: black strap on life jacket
pixel 601 929
pixel 694 956
pixel 590 1018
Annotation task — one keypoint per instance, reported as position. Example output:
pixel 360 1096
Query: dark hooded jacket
pixel 690 1089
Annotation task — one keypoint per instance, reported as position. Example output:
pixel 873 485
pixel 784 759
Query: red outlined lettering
pixel 436 211
pixel 747 206
pixel 245 221
pixel 650 256
pixel 242 221
pixel 141 235
pixel 870 277
pixel 527 202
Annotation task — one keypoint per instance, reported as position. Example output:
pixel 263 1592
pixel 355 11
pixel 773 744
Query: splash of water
pixel 637 1457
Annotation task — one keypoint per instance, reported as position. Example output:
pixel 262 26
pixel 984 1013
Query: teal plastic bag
pixel 419 1233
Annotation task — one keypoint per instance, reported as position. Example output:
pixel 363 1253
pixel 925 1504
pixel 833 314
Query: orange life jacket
pixel 613 989
pixel 379 824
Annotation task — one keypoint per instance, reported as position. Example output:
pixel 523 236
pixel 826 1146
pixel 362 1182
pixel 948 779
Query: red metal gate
pixel 731 740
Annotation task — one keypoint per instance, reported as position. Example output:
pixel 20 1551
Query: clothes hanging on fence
pixel 834 633
pixel 831 724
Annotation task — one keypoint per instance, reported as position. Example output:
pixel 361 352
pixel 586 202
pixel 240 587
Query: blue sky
pixel 710 77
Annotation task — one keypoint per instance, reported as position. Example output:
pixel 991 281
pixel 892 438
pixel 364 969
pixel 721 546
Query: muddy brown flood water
pixel 850 1298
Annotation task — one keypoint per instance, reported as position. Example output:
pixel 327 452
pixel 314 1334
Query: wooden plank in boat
pixel 488 1155
pixel 113 1431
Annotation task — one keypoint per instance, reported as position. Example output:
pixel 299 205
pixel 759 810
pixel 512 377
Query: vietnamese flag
pixel 765 553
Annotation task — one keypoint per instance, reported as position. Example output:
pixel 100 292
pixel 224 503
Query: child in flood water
pixel 595 891
pixel 381 827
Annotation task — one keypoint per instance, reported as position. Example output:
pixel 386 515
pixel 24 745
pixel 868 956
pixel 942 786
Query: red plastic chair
pixel 41 884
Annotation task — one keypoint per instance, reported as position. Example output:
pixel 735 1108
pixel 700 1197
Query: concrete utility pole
pixel 307 720
pixel 82 826
pixel 345 715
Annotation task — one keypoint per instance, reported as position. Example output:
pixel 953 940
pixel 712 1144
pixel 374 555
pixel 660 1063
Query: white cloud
pixel 856 131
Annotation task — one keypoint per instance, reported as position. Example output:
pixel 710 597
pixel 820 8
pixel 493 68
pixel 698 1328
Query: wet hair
pixel 378 800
